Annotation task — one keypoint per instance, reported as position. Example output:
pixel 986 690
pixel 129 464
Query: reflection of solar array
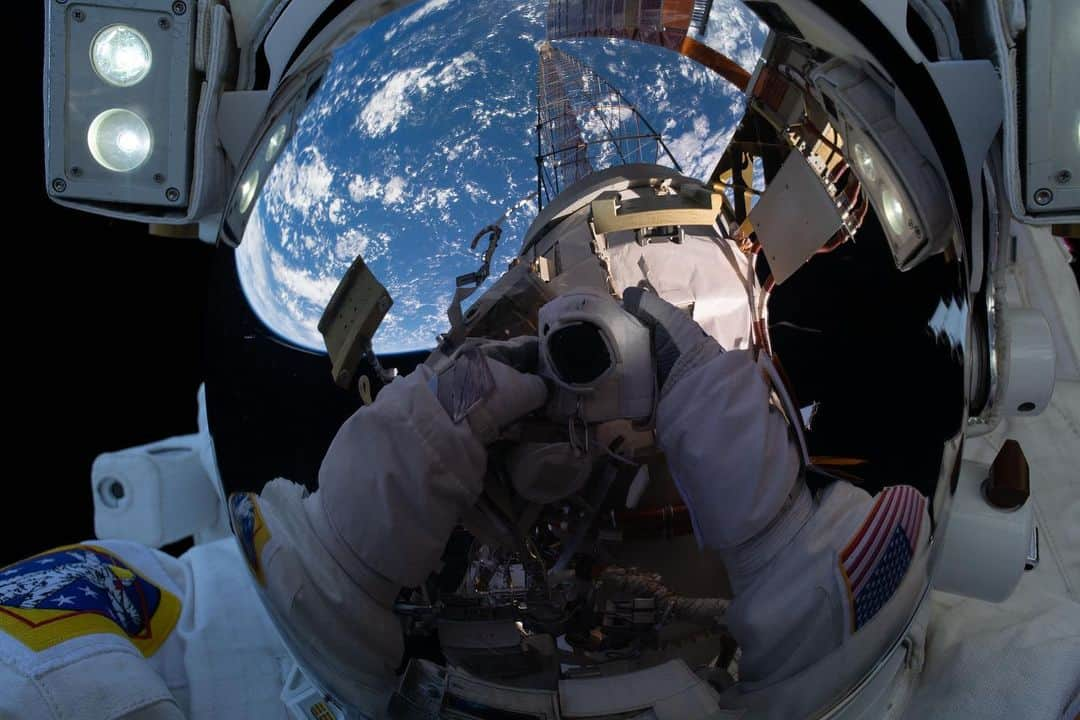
pixel 585 124
pixel 672 24
pixel 657 22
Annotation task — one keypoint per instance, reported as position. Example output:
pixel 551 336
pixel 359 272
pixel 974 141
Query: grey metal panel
pixel 794 217
pixel 1051 162
pixel 972 93
pixel 75 95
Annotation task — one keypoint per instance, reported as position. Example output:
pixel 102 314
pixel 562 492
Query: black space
pixel 104 341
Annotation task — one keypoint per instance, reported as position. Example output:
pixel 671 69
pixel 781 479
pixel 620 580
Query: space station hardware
pixel 670 691
pixel 156 494
pixel 131 97
pixel 1014 368
pixel 428 690
pixel 904 185
pixel 599 356
pixel 686 205
pixel 1025 362
pixel 350 320
pixel 511 302
pixel 150 108
pixel 794 218
pixel 1040 143
pixel 1014 371
pixel 991 528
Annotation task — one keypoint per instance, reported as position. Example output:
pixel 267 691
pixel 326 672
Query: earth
pixel 423 132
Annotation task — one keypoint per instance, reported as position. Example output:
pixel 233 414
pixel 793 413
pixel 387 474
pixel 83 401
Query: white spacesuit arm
pixel 802 576
pixel 91 689
pixel 729 449
pixel 391 488
pixel 393 484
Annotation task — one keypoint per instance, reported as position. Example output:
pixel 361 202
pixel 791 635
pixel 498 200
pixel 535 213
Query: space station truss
pixel 584 124
pixel 672 24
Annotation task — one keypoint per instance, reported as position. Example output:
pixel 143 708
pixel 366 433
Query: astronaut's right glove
pixel 490 383
pixel 680 345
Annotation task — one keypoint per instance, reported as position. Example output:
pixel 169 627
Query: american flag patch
pixel 874 562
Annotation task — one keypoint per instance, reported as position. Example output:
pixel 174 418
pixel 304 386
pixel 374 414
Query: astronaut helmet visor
pixel 406 143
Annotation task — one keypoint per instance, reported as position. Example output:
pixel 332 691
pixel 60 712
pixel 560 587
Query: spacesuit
pixel 831 605
pixel 160 637
pixel 403 459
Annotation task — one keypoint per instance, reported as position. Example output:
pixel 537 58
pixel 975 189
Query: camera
pixel 598 356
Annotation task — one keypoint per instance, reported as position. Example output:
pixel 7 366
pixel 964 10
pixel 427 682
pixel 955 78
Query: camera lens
pixel 579 355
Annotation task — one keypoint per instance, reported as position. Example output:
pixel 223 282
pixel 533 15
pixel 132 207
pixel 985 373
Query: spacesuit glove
pixel 679 344
pixel 490 384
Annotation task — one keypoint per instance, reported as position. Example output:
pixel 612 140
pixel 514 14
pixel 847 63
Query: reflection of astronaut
pixel 736 464
pixel 822 579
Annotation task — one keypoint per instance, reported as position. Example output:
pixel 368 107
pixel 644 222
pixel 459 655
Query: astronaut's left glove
pixel 490 384
pixel 679 344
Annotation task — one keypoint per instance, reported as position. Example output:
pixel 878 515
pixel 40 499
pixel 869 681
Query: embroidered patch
pixel 874 563
pixel 249 528
pixel 83 590
pixel 464 384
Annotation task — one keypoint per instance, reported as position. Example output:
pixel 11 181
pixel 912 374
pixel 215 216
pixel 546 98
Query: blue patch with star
pixel 250 529
pixel 81 590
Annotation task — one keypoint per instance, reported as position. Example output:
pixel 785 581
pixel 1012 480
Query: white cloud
pixel 334 212
pixel 460 67
pixel 416 16
pixel 259 267
pixel 730 30
pixel 362 188
pixel 444 196
pixel 393 101
pixel 699 149
pixel 440 198
pixel 394 191
pixel 389 105
pixel 350 244
pixel 391 191
pixel 301 180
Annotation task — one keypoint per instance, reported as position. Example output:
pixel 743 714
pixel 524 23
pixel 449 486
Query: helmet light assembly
pixel 904 185
pixel 119 93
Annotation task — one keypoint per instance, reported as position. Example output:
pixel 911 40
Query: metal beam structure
pixel 563 157
pixel 667 23
pixel 584 124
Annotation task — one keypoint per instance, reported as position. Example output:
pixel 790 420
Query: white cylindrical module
pixel 153 494
pixel 985 547
pixel 1025 361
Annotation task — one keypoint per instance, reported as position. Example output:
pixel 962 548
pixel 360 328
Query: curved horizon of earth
pixel 423 131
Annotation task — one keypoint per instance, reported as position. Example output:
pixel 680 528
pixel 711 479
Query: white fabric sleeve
pixel 728 448
pixel 392 485
pixel 1018 658
pixel 395 480
pixel 106 685
pixel 737 466
pixel 116 629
